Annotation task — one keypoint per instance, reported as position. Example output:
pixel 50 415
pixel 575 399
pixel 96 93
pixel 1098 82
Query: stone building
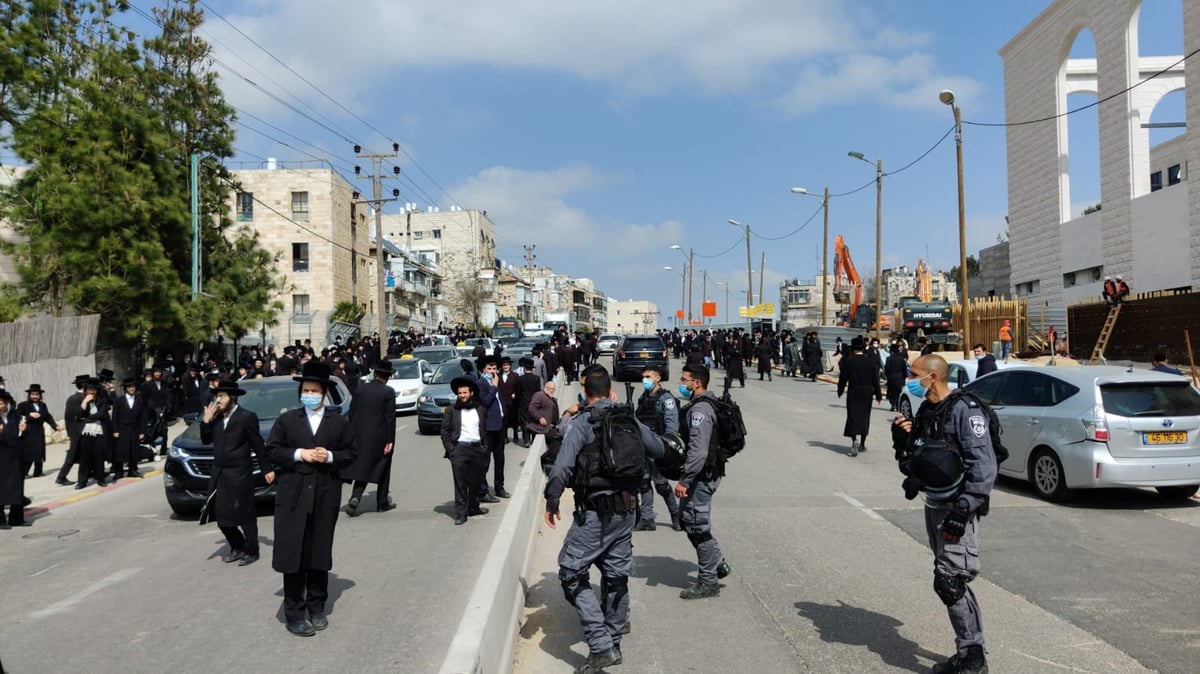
pixel 1147 230
pixel 902 282
pixel 800 301
pixel 631 317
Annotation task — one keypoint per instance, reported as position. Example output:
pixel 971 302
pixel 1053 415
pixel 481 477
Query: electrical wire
pixel 794 231
pixel 735 245
pixel 923 155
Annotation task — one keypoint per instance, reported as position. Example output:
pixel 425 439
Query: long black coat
pixel 195 391
pixel 308 495
pixel 895 370
pixel 373 420
pixel 12 480
pixel 812 356
pixel 765 350
pixel 33 442
pixel 236 446
pixel 507 383
pixel 860 382
pixel 734 367
pixel 527 385
pixel 129 422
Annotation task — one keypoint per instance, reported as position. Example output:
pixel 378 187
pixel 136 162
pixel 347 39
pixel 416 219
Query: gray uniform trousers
pixel 651 477
pixel 695 510
pixel 957 559
pixel 605 540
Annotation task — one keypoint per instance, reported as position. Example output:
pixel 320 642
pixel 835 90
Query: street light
pixel 691 276
pixel 824 251
pixel 726 284
pixel 946 96
pixel 682 288
pixel 749 283
pixel 878 239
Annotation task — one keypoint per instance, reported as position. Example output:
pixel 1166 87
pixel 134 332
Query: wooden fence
pixel 1148 323
pixel 989 313
pixel 50 352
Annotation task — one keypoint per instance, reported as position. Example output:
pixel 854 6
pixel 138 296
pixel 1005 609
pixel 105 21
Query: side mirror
pixel 427 379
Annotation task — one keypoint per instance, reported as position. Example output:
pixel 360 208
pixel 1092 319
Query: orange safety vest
pixel 1005 334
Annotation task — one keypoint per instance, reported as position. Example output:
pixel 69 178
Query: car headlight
pixel 424 399
pixel 177 453
pixel 408 392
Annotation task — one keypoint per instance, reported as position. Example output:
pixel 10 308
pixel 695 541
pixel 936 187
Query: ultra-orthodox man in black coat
pixel 860 382
pixel 33 441
pixel 130 423
pixel 373 421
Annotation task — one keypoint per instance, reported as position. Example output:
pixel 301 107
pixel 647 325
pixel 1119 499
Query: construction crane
pixel 843 267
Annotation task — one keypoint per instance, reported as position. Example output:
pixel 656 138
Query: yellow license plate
pixel 645 354
pixel 1176 438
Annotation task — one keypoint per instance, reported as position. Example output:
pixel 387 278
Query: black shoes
pixel 301 628
pixel 384 507
pixel 233 556
pixel 598 661
pixel 135 475
pixel 700 590
pixel 319 620
pixel 248 559
pixel 460 520
pixel 502 492
pixel 854 447
pixel 723 569
pixel 351 507
pixel 973 662
pixel 63 483
pixel 488 498
pixel 477 511
pixel 646 525
pixel 676 522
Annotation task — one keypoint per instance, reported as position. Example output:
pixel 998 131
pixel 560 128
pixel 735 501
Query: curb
pixel 33 512
pixel 486 637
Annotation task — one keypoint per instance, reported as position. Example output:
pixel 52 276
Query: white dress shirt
pixel 314 422
pixel 469 431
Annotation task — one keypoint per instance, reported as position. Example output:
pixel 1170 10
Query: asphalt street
pixel 117 583
pixel 832 573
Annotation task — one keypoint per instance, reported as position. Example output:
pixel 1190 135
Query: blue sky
pixel 606 132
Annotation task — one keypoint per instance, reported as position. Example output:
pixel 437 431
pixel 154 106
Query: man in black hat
pixel 157 397
pixel 237 446
pixel 506 381
pixel 493 440
pixel 92 415
pixel 212 380
pixel 71 421
pixel 859 379
pixel 12 484
pixel 462 439
pixel 308 448
pixel 129 419
pixel 528 384
pixel 373 420
pixel 33 441
pixel 195 390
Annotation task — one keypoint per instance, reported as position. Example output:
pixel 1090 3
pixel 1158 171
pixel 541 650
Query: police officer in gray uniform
pixel 702 473
pixel 947 453
pixel 657 409
pixel 601 533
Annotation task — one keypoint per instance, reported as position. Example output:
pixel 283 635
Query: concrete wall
pixel 1161 250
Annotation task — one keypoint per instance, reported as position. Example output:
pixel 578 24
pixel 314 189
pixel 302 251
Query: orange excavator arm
pixel 924 282
pixel 842 264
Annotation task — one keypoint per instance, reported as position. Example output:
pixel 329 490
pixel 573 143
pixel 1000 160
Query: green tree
pixel 972 269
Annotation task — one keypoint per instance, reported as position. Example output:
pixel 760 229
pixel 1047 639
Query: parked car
pixel 521 348
pixel 607 343
pixel 637 352
pixel 435 354
pixel 189 459
pixel 437 396
pixel 408 380
pixel 1084 427
pixel 960 373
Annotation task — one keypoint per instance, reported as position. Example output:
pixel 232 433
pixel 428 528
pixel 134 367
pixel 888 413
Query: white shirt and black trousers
pixel 462 434
pixel 237 445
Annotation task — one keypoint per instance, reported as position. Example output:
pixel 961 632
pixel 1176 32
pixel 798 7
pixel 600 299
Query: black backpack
pixel 731 429
pixel 615 458
pixel 994 428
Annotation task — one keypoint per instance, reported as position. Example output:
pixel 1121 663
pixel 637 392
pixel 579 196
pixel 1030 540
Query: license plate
pixel 645 354
pixel 1174 438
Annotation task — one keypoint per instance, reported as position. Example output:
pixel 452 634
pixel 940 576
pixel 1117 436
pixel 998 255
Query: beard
pixel 462 405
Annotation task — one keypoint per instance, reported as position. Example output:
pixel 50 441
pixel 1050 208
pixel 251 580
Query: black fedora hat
pixel 92 382
pixel 314 370
pixel 459 382
pixel 226 386
pixel 213 375
pixel 384 367
pixel 107 375
pixel 80 379
pixel 129 381
pixel 858 343
pixel 34 388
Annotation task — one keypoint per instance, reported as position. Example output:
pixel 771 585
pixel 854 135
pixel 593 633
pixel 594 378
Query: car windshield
pixel 446 372
pixel 1157 399
pixel 266 401
pixel 409 368
pixel 609 338
pixel 643 344
pixel 435 354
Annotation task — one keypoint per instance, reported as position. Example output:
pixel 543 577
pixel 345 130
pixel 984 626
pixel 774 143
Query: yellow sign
pixel 742 312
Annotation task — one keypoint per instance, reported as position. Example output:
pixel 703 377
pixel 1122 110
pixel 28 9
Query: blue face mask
pixel 685 391
pixel 647 384
pixel 915 389
pixel 311 401
pixel 582 400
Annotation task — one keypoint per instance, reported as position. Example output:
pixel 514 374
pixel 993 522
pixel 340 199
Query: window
pixel 300 257
pixel 1024 389
pixel 418 235
pixel 986 387
pixel 437 233
pixel 1173 175
pixel 1156 181
pixel 300 305
pixel 299 205
pixel 245 206
pixel 1069 279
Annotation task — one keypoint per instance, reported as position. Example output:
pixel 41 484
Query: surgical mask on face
pixel 915 388
pixel 311 401
pixel 647 384
pixel 685 391
pixel 979 356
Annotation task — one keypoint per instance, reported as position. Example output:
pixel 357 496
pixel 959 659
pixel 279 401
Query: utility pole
pixel 761 270
pixel 529 256
pixel 825 262
pixel 195 175
pixel 691 276
pixel 376 177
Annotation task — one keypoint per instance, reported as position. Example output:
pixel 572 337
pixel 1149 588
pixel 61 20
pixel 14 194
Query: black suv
pixel 189 459
pixel 635 353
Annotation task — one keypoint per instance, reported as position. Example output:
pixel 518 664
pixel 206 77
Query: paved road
pixel 832 572
pixel 115 583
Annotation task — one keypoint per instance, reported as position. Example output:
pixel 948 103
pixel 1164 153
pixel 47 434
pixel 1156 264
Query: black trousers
pixel 244 538
pixel 36 465
pixel 381 491
pixel 493 443
pixel 72 448
pixel 468 463
pixel 91 459
pixel 16 514
pixel 304 593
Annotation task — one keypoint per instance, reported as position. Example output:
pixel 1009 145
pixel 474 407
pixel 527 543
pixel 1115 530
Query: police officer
pixel 601 533
pixel 947 453
pixel 657 409
pixel 702 473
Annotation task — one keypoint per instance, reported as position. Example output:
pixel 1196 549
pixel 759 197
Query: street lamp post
pixel 726 284
pixel 946 96
pixel 682 287
pixel 824 253
pixel 691 256
pixel 749 282
pixel 878 240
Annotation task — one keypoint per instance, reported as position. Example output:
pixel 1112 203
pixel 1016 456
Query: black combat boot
pixel 973 662
pixel 676 522
pixel 700 590
pixel 598 661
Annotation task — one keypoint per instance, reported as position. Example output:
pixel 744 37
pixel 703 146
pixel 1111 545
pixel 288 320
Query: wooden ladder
pixel 1105 333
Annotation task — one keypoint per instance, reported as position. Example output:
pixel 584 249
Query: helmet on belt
pixel 939 468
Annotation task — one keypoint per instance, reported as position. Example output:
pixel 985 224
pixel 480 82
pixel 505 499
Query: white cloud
pixel 910 81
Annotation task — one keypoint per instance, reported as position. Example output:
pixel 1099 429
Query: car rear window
pixel 1158 399
pixel 643 344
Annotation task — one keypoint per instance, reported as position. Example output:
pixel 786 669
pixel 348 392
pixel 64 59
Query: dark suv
pixel 635 353
pixel 189 459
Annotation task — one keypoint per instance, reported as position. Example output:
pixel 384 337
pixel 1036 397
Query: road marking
pixel 67 500
pixel 862 508
pixel 35 575
pixel 70 602
pixel 400 428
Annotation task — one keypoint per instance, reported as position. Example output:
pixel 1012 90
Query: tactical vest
pixel 713 466
pixel 936 462
pixel 647 412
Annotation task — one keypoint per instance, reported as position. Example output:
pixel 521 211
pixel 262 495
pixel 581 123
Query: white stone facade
pixel 1149 237
pixel 632 317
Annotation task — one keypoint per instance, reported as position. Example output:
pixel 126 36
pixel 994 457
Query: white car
pixel 409 380
pixel 961 372
pixel 607 343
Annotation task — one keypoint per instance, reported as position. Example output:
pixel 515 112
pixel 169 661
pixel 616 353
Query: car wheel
pixel 423 430
pixel 1179 493
pixel 185 510
pixel 906 407
pixel 1047 477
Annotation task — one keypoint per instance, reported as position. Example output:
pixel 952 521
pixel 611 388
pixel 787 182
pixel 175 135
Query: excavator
pixel 851 290
pixel 919 315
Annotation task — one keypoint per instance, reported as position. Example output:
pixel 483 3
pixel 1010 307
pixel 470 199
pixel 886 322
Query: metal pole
pixel 749 274
pixel 380 272
pixel 727 301
pixel 761 270
pixel 962 236
pixel 682 293
pixel 825 261
pixel 878 248
pixel 691 276
pixel 195 175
